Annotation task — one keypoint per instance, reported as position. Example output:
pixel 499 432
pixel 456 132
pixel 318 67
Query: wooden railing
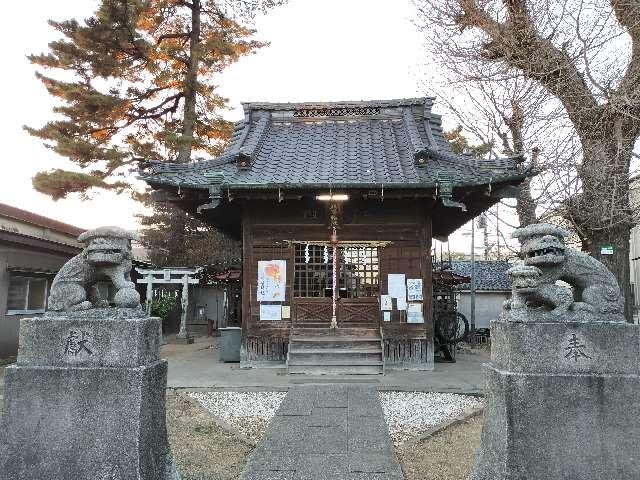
pixel 361 311
pixel 351 311
pixel 315 311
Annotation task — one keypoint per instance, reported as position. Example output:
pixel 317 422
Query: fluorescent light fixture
pixel 333 197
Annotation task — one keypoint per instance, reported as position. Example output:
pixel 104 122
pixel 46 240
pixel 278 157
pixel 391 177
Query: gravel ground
pixel 248 412
pixel 414 414
pixel 201 448
pixel 448 455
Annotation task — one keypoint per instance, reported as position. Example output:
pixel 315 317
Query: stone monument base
pixel 86 401
pixel 561 402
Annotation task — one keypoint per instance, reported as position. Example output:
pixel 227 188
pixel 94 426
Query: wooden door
pixel 312 285
pixel 359 286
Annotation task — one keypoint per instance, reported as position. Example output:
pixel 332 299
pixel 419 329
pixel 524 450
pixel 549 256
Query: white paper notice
pixel 270 312
pixel 398 289
pixel 414 289
pixel 272 278
pixel 386 302
pixel 401 304
pixel 414 313
pixel 386 316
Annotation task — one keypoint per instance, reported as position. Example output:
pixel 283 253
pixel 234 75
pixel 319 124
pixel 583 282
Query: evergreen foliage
pixel 163 307
pixel 135 82
pixel 460 144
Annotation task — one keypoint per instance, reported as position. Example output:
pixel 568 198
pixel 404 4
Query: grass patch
pixel 448 455
pixel 201 448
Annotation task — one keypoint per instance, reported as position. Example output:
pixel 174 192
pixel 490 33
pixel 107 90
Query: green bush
pixel 163 306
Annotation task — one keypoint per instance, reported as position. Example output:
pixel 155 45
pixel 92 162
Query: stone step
pixel 312 325
pixel 341 351
pixel 335 332
pixel 336 361
pixel 334 338
pixel 326 356
pixel 335 351
pixel 336 369
pixel 357 343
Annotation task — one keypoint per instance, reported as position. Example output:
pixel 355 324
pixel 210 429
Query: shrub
pixel 163 306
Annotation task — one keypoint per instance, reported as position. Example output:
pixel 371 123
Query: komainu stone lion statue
pixel 592 292
pixel 106 256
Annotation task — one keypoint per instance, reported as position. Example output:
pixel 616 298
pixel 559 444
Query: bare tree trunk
pixel 603 211
pixel 526 206
pixel 618 263
pixel 190 87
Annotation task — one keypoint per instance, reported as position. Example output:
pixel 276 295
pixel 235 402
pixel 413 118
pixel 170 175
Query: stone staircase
pixel 341 351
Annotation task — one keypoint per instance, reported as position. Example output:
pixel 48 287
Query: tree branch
pixel 627 95
pixel 517 43
pixel 172 35
pixel 185 4
pixel 155 112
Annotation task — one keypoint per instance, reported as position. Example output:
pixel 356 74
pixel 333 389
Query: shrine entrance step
pixel 341 351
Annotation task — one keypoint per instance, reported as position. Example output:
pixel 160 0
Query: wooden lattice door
pixel 312 285
pixel 359 286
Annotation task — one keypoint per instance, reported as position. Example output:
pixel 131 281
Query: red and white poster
pixel 272 278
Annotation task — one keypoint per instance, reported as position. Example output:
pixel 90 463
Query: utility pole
pixel 473 281
pixel 498 231
pixel 482 223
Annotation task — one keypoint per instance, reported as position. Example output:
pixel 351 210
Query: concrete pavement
pixel 197 366
pixel 335 432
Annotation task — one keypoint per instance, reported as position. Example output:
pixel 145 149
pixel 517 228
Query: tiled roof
pixel 33 218
pixel 338 144
pixel 490 274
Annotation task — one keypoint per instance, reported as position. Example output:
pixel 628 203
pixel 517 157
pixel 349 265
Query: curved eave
pixel 345 186
pixel 361 186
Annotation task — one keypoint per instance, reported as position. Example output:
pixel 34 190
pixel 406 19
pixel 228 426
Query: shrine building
pixel 336 205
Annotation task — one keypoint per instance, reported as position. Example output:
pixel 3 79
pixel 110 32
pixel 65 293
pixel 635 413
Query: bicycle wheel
pixel 453 329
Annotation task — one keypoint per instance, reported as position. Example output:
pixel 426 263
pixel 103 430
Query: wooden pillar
pixel 427 275
pixel 334 212
pixel 248 265
pixel 334 246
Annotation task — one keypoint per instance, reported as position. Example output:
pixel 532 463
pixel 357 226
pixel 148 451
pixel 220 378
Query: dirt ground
pixel 202 449
pixel 448 455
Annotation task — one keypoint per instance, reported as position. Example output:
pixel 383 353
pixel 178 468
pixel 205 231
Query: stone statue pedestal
pixel 562 402
pixel 86 400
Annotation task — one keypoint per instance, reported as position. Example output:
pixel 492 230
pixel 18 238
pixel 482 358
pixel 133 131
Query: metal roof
pixel 490 274
pixel 390 143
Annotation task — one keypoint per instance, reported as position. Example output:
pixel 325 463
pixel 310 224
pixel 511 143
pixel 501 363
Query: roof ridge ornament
pixel 251 140
pixel 337 111
pixel 421 153
pixel 444 189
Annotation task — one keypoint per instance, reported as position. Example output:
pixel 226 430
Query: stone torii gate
pixel 182 276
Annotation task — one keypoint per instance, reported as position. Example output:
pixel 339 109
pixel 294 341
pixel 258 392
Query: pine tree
pixel 460 144
pixel 135 81
pixel 180 240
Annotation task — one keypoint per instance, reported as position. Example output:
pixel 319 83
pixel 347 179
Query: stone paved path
pixel 332 432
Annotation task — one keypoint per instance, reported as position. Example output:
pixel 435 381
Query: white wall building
pixel 493 287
